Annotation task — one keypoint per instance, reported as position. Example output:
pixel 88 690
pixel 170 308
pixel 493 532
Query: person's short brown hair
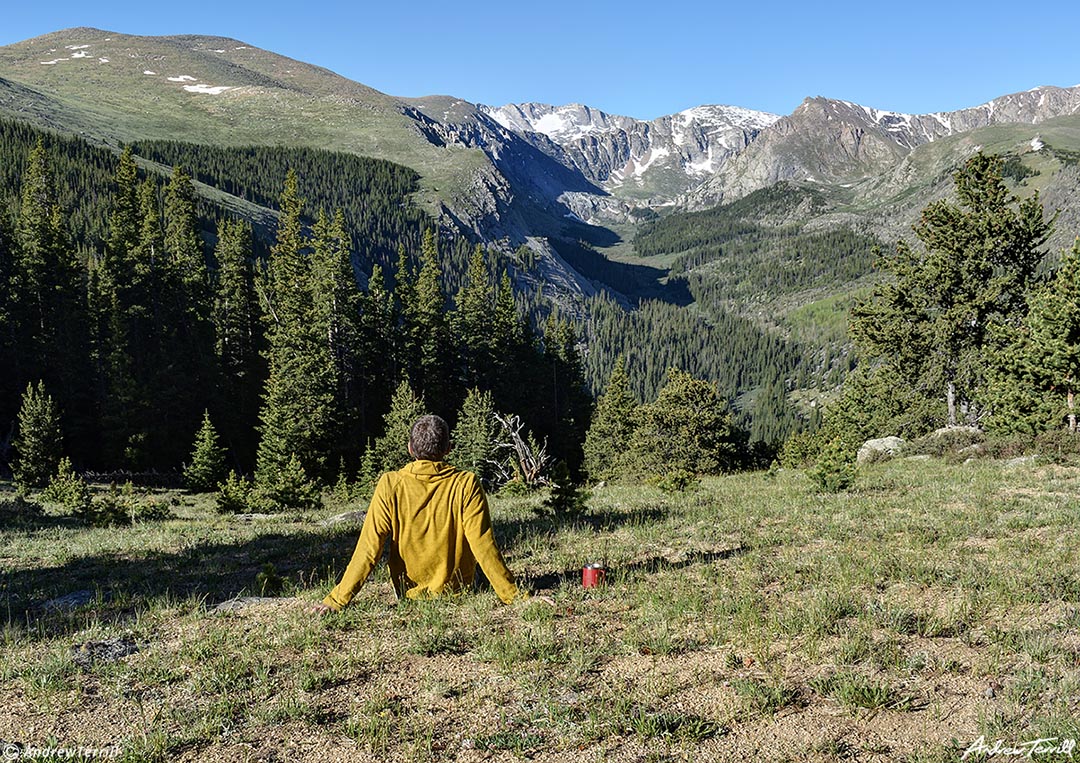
pixel 429 438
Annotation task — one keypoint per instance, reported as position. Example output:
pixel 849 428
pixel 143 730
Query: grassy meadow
pixel 751 618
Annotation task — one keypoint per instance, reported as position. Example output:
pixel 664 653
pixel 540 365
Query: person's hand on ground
pixel 320 609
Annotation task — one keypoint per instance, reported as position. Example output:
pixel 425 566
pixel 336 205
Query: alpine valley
pixel 717 226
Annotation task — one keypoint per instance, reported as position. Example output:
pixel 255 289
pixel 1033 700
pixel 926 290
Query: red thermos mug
pixel 592 575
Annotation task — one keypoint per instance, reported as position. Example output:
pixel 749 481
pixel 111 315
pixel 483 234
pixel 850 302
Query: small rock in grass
pixel 242 602
pixel 108 650
pixel 348 516
pixel 1012 463
pixel 69 601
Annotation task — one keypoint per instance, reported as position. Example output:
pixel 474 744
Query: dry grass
pixel 753 618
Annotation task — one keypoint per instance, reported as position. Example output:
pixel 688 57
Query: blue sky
pixel 638 59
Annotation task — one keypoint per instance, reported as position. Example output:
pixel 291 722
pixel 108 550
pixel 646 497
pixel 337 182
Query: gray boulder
pixel 871 449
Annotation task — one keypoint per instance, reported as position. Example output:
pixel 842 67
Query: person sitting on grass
pixel 437 520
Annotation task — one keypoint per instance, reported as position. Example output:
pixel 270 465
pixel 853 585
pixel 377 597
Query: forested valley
pixel 298 304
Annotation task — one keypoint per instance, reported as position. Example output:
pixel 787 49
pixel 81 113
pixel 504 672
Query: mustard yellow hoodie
pixel 439 526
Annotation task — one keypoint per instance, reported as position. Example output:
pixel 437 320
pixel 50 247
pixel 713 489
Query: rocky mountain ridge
pixel 652 161
pixel 513 174
pixel 838 142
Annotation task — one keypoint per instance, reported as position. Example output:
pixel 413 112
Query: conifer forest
pixel 290 311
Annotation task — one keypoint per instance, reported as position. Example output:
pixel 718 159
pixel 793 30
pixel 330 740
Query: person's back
pixel 437 521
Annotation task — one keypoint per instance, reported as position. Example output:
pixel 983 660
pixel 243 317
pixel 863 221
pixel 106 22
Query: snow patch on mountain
pixel 642 165
pixel 182 78
pixel 207 89
pixel 558 126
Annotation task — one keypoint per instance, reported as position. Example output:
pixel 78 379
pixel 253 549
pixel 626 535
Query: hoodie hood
pixel 430 471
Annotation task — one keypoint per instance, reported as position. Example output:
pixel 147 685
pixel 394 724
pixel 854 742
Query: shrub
pixel 121 506
pixel 1058 445
pixel 155 510
pixel 234 495
pixel 68 489
pixel 291 489
pixel 676 481
pixel 834 471
pixel 207 465
pixel 566 500
pixel 37 445
pixel 112 508
pixel 516 488
pixel 947 441
pixel 268 581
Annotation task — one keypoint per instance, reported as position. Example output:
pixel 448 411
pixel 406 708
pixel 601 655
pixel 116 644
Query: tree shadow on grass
pixel 552 580
pixel 123 584
pixel 514 531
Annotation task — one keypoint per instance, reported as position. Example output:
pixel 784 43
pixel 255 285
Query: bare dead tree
pixel 518 457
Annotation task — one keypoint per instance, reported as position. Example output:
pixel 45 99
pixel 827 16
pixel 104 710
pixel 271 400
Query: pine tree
pixel 337 309
pixel 8 356
pixel 874 402
pixel 379 344
pixel 1039 373
pixel 68 489
pixel 612 426
pixel 566 501
pixel 517 364
pixel 938 319
pixel 185 371
pixel 391 451
pixel 687 428
pixel 124 219
pixel 38 444
pixel 297 415
pixel 288 296
pixel 122 292
pixel 369 471
pixel 289 489
pixel 427 336
pixel 568 404
pixel 46 307
pixel 474 436
pixel 237 337
pixel 472 324
pixel 206 467
pixel 184 245
pixel 834 469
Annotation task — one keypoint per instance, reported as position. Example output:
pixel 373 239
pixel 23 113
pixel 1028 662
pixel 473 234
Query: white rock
pixel 888 445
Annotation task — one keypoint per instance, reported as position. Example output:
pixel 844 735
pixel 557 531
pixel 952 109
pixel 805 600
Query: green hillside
pixel 248 97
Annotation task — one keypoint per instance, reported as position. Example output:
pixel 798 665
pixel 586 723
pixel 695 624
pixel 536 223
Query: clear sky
pixel 639 59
